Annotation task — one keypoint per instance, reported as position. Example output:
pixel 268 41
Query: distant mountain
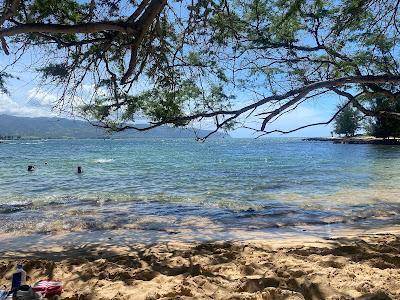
pixel 55 128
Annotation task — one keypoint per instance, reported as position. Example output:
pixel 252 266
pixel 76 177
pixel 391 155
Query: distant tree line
pixel 350 119
pixel 10 137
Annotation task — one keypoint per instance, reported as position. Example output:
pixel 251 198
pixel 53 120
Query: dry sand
pixel 366 267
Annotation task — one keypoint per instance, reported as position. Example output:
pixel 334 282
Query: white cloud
pixel 39 97
pixel 11 107
pixel 51 101
pixel 89 90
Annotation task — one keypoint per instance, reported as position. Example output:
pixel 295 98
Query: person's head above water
pixel 79 169
pixel 31 167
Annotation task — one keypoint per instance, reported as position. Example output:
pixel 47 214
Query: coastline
pixel 351 266
pixel 355 140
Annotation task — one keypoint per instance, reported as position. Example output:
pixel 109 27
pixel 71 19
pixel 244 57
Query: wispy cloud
pixel 39 97
pixel 22 109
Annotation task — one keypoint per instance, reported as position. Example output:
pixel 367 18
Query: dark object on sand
pixel 79 170
pixel 25 292
pixel 31 168
pixel 18 277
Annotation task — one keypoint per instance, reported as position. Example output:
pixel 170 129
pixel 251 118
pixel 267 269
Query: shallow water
pixel 174 186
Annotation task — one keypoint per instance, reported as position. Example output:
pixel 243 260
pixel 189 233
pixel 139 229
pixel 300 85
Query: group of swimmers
pixel 31 168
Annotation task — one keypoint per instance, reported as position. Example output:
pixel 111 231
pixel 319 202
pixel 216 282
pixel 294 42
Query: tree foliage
pixel 347 121
pixel 385 126
pixel 176 62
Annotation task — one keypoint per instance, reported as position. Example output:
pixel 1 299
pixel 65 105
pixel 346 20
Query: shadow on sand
pixel 245 270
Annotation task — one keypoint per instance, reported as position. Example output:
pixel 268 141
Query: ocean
pixel 219 189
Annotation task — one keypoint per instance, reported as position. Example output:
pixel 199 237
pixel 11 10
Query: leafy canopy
pixel 347 122
pixel 176 62
pixel 383 126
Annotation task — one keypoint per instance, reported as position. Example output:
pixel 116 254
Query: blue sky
pixel 28 98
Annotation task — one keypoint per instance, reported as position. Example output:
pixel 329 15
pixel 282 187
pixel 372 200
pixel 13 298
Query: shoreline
pixel 349 266
pixel 354 140
pixel 14 242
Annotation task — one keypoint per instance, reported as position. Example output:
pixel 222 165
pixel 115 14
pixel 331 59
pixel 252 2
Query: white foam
pixel 103 160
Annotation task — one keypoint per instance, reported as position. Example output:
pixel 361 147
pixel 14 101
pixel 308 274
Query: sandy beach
pixel 363 267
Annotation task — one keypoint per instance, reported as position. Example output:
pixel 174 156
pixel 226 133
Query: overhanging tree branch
pixel 129 50
pixel 69 29
pixel 298 94
pixel 9 10
pixel 144 22
pixel 305 126
pixel 364 110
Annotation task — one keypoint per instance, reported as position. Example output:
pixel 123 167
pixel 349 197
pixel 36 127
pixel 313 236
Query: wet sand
pixel 354 267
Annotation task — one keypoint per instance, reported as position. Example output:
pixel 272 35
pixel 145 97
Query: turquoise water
pixel 171 185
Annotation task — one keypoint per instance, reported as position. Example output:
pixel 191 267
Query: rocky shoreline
pixel 354 140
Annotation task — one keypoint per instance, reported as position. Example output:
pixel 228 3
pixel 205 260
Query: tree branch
pixel 298 93
pixel 308 125
pixel 364 110
pixel 144 22
pixel 10 9
pixel 69 29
